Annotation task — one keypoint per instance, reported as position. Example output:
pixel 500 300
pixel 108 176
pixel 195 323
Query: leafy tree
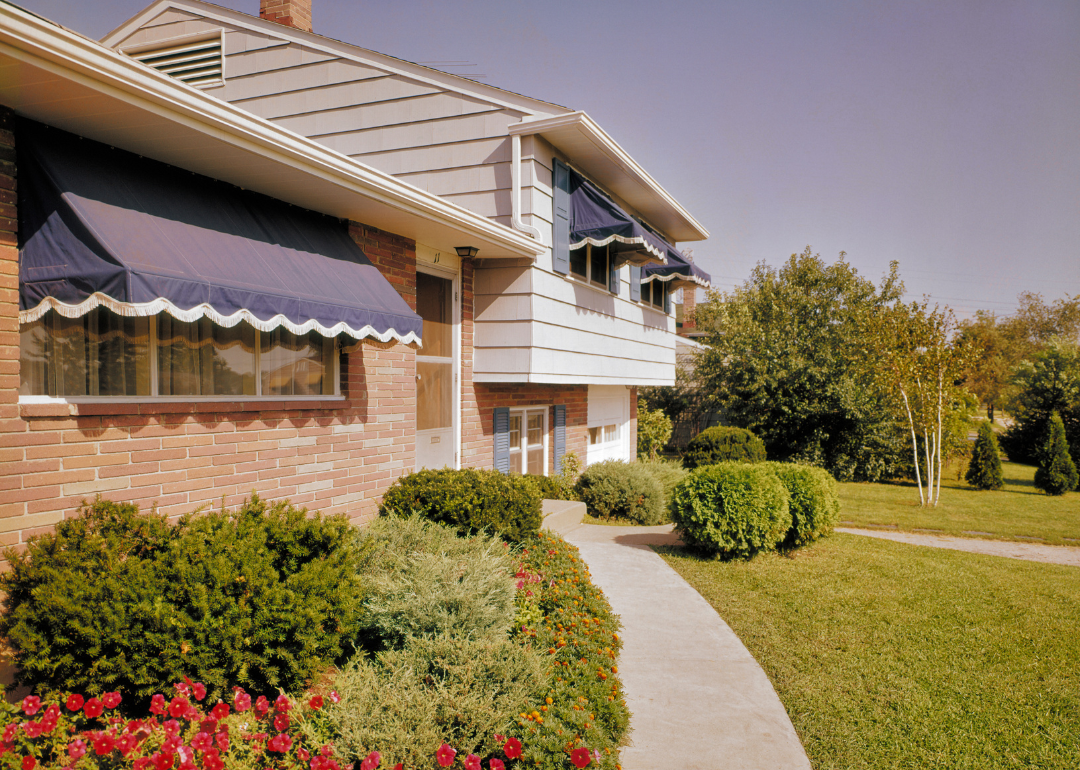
pixel 1057 471
pixel 1050 383
pixel 984 471
pixel 993 357
pixel 786 359
pixel 653 431
pixel 919 361
pixel 1035 323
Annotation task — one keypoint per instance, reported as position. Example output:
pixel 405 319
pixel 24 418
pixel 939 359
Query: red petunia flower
pixel 28 763
pixel 281 722
pixel 219 711
pixel 93 708
pixel 241 700
pixel 496 764
pixel 222 741
pixel 280 742
pixel 399 766
pixel 31 704
pixel 262 705
pixel 283 704
pixel 445 755
pixel 10 732
pixel 472 762
pixel 104 744
pixel 212 761
pixel 316 702
pixel 171 727
pixel 303 753
pixel 334 697
pixel 111 700
pixel 371 761
pixel 202 742
pixel 512 748
pixel 33 729
pixel 580 757
pixel 157 704
pixel 198 690
pixel 178 706
pixel 76 749
pixel 162 761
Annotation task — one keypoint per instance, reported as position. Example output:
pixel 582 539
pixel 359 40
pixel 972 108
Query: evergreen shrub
pixel 653 430
pixel 615 489
pixel 1056 473
pixel 468 500
pixel 731 509
pixel 551 487
pixel 813 500
pixel 424 582
pixel 668 472
pixel 723 444
pixel 116 599
pixel 984 470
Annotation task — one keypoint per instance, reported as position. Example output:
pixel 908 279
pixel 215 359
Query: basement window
pixel 196 60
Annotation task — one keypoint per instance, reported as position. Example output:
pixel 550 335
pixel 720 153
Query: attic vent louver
pixel 196 61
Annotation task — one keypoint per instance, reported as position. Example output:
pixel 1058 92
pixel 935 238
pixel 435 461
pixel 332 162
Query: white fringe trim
pixel 693 279
pixel 139 309
pixel 635 241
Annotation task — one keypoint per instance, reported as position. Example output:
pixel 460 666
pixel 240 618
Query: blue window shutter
pixel 502 439
pixel 613 274
pixel 635 283
pixel 667 298
pixel 560 246
pixel 560 436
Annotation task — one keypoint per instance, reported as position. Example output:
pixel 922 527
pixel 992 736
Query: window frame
pixel 589 279
pixel 334 365
pixel 523 446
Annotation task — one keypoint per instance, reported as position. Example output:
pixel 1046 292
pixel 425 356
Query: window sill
pixel 44 406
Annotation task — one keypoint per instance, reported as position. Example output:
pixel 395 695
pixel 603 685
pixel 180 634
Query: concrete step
pixel 562 516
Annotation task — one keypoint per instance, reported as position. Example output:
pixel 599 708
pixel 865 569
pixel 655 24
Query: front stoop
pixel 562 516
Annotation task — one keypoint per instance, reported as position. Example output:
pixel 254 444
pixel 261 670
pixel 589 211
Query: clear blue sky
pixel 944 135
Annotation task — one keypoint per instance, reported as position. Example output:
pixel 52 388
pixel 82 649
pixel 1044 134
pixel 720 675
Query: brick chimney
pixel 291 13
pixel 689 306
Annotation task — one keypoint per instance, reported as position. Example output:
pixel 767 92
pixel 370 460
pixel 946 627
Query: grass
pixel 893 656
pixel 1017 512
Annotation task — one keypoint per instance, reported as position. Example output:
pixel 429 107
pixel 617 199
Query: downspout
pixel 515 190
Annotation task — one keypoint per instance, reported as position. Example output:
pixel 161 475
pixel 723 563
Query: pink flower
pixel 220 711
pixel 334 697
pixel 371 761
pixel 183 687
pixel 212 761
pixel 241 700
pixel 580 757
pixel 303 753
pixel 111 700
pixel 178 706
pixel 199 690
pixel 31 704
pixel 93 708
pixel 157 704
pixel 171 727
pixel 316 702
pixel 10 732
pixel 512 748
pixel 281 722
pixel 202 742
pixel 472 762
pixel 282 703
pixel 76 749
pixel 496 764
pixel 262 705
pixel 28 763
pixel 222 741
pixel 445 755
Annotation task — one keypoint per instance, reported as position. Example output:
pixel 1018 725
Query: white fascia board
pixel 589 147
pixel 62 78
pixel 418 72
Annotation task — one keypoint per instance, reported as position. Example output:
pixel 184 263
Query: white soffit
pixel 53 75
pixel 591 150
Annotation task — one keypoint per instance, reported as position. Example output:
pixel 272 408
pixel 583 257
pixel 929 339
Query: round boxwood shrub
pixel 468 500
pixel 116 599
pixel 615 489
pixel 731 509
pixel 722 444
pixel 984 470
pixel 813 500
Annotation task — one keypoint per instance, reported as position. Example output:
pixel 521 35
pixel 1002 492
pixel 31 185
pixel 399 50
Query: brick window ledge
pixel 53 409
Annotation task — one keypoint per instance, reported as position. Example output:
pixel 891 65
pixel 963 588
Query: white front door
pixel 436 391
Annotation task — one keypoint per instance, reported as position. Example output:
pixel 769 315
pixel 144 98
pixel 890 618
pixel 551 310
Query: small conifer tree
pixel 984 471
pixel 1057 471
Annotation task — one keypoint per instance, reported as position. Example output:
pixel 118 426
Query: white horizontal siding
pixel 341 98
pixel 319 70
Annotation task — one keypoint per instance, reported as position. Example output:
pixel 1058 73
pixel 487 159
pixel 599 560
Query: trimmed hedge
pixel 731 509
pixel 723 444
pixel 615 489
pixel 668 472
pixel 115 599
pixel 468 500
pixel 551 487
pixel 813 500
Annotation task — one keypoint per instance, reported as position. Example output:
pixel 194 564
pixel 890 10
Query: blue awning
pixel 679 272
pixel 597 220
pixel 103 227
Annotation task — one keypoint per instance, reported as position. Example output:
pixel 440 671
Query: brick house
pixel 206 294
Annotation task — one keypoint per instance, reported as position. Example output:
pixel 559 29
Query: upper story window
pixel 654 293
pixel 591 263
pixel 102 354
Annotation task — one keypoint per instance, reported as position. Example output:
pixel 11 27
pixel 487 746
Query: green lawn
pixel 891 656
pixel 1017 512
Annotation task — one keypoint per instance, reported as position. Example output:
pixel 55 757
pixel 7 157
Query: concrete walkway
pixel 1054 554
pixel 699 700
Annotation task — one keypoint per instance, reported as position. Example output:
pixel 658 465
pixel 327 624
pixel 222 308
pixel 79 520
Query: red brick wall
pixel 337 457
pixel 291 13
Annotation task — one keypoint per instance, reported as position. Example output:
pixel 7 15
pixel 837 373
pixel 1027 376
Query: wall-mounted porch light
pixel 466 251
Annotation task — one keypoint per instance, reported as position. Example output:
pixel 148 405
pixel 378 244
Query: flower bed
pixel 581 705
